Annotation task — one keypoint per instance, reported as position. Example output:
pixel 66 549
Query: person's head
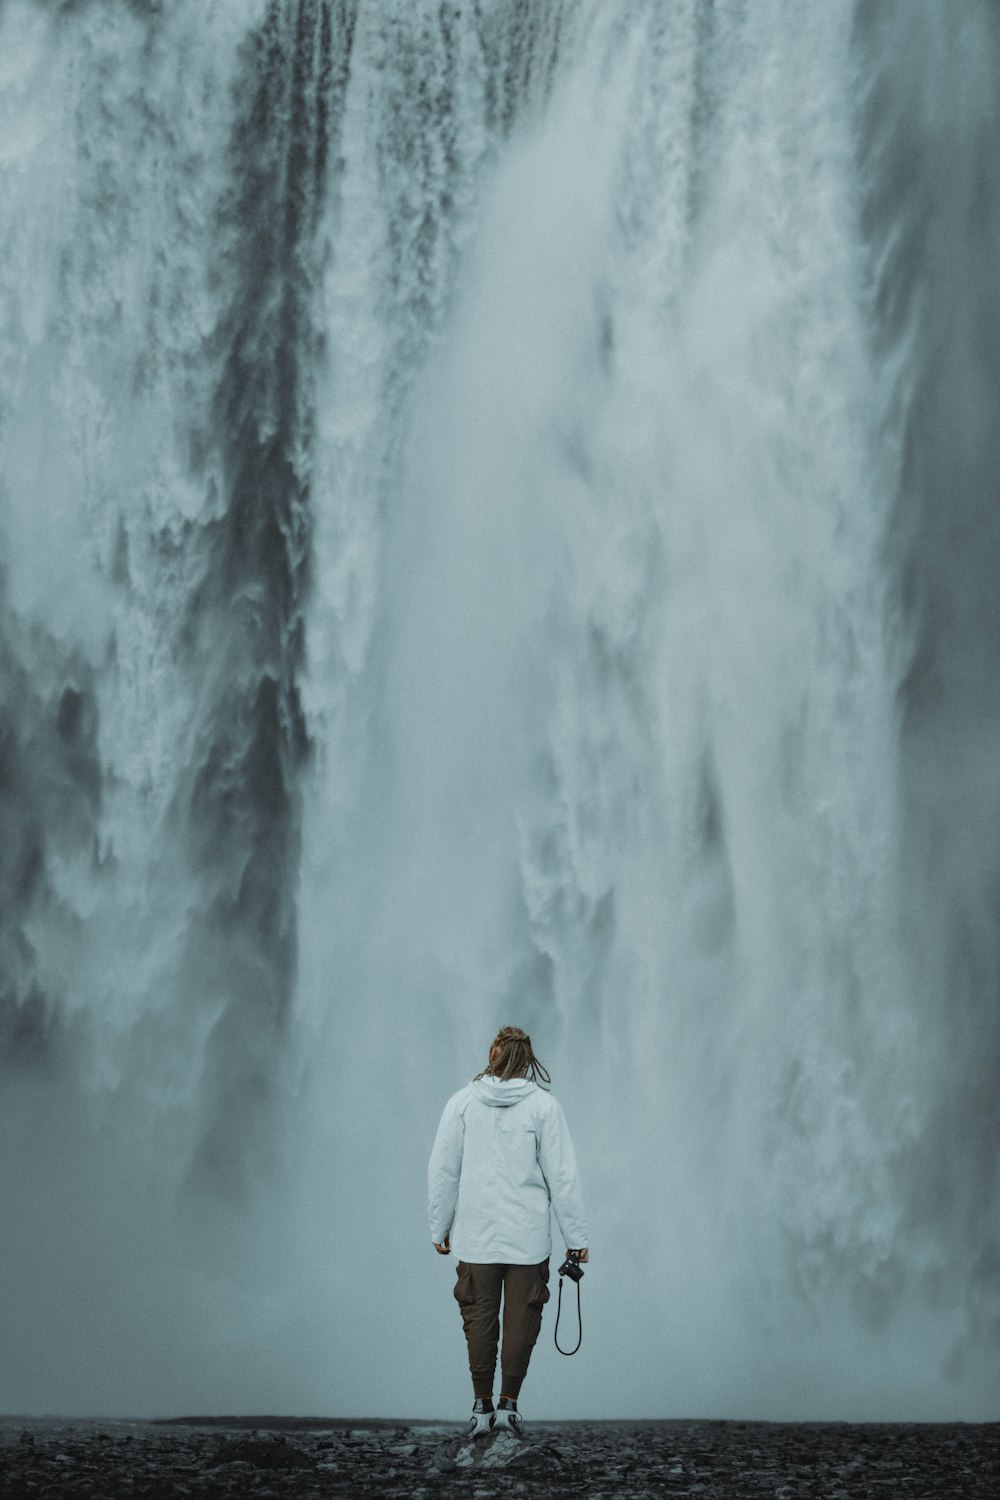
pixel 511 1056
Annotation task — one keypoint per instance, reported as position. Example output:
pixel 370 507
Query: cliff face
pixel 498 523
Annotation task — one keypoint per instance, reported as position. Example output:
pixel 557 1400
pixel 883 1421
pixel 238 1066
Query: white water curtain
pixel 499 523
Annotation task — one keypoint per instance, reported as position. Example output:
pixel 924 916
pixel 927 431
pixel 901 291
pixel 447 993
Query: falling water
pixel 498 515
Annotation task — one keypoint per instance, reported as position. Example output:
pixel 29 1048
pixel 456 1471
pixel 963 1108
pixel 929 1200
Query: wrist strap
pixel 579 1319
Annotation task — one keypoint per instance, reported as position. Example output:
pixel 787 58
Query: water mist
pixel 498 517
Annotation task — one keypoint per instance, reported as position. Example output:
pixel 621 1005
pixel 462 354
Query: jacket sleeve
pixel 444 1171
pixel 557 1160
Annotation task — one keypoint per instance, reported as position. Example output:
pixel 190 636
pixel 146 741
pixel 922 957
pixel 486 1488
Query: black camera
pixel 572 1268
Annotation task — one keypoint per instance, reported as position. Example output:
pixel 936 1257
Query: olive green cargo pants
pixel 525 1291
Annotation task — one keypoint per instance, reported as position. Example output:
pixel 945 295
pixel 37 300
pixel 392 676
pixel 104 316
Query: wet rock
pixel 560 1461
pixel 262 1453
pixel 444 1457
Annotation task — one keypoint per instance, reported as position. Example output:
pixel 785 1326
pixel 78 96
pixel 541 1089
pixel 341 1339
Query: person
pixel 502 1157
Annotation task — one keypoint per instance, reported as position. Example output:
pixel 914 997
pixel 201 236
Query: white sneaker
pixel 481 1421
pixel 508 1419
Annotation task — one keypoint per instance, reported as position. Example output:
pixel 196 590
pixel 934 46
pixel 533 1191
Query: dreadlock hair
pixel 516 1059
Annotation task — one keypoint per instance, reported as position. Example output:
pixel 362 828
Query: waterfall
pixel 498 523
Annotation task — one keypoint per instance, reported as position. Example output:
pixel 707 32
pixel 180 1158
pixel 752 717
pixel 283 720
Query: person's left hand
pixel 581 1255
pixel 444 1249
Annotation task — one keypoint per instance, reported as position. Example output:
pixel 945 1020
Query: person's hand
pixel 444 1249
pixel 582 1256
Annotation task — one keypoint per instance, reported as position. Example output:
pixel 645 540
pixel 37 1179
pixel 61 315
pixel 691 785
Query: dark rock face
pixel 556 1461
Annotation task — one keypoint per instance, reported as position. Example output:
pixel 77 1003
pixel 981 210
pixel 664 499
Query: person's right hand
pixel 444 1249
pixel 582 1256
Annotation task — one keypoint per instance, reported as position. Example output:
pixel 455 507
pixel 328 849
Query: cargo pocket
pixel 540 1291
pixel 465 1292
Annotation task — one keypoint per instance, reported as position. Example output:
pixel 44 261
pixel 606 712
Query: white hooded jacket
pixel 501 1157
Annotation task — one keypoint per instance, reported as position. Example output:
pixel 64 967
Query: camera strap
pixel 579 1319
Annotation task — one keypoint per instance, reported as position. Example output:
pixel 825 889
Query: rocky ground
pixel 271 1458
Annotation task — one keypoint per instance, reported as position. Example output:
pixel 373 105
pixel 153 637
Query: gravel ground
pixel 270 1458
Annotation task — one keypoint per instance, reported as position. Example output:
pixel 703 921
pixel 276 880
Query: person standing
pixel 502 1158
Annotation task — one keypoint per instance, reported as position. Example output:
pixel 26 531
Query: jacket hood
pixel 501 1091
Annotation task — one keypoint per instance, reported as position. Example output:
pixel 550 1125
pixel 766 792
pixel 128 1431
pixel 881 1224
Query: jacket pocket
pixel 464 1291
pixel 540 1291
